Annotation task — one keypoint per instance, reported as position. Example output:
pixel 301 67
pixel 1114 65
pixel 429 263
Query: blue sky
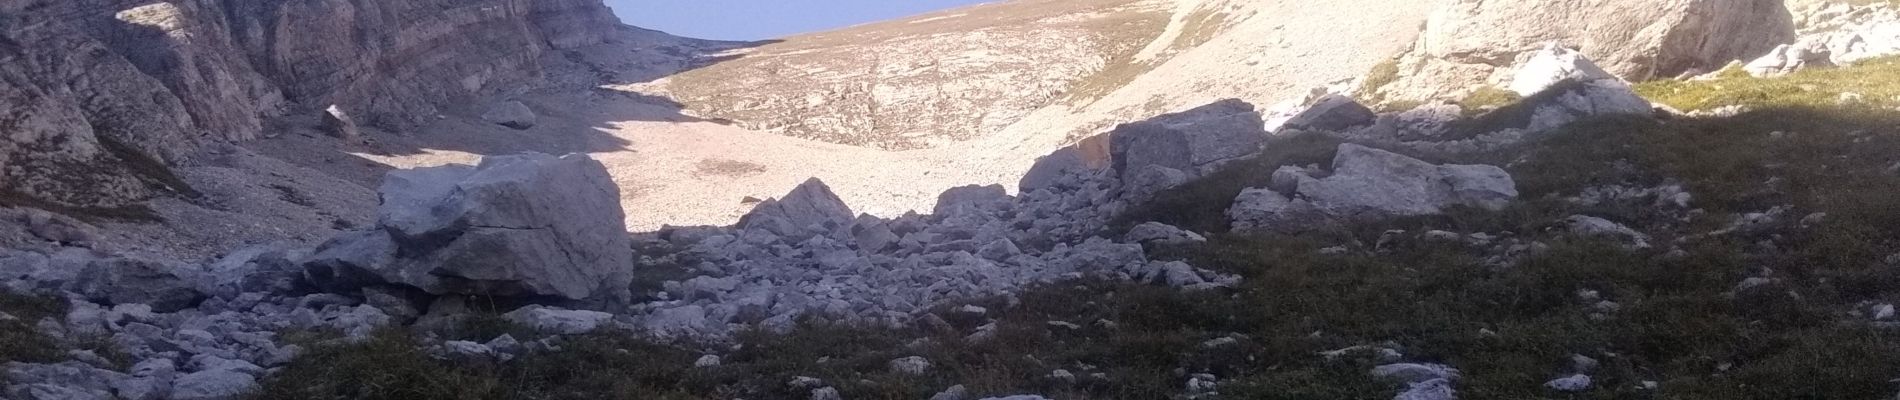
pixel 765 19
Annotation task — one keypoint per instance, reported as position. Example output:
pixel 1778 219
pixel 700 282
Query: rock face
pixel 1367 183
pixel 917 83
pixel 1470 43
pixel 526 225
pixel 100 95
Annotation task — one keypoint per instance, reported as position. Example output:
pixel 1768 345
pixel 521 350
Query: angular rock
pixel 912 365
pixel 1330 113
pixel 1148 180
pixel 338 124
pixel 1555 64
pixel 167 288
pixel 1159 233
pixel 1482 186
pixel 1573 383
pixel 970 197
pixel 511 114
pixel 810 205
pixel 1190 141
pixel 523 225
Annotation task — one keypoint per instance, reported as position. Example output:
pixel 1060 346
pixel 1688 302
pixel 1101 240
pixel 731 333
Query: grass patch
pixel 727 168
pixel 1876 81
pixel 153 170
pixel 20 341
pixel 1383 74
pixel 1487 98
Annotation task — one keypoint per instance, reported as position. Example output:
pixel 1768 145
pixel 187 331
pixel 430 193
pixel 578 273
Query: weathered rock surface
pixel 525 225
pixel 511 114
pixel 1192 141
pixel 810 208
pixel 1365 184
pixel 1471 43
pixel 102 95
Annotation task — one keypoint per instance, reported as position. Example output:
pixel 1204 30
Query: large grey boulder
pixel 522 225
pixel 810 208
pixel 511 114
pixel 1368 184
pixel 165 287
pixel 1192 141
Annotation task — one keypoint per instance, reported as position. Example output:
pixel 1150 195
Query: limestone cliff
pixel 98 96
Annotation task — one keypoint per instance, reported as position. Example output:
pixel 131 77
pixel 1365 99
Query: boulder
pixel 1149 180
pixel 1159 233
pixel 524 225
pixel 338 124
pixel 1330 113
pixel 1555 64
pixel 558 321
pixel 1368 184
pixel 811 205
pixel 970 197
pixel 1783 60
pixel 166 288
pixel 1089 154
pixel 511 114
pixel 1572 101
pixel 1191 141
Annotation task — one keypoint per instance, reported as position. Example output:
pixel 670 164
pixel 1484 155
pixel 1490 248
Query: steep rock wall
pixel 97 96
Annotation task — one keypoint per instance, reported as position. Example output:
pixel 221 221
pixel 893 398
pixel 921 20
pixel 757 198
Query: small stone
pixel 912 365
pixel 1414 373
pixel 707 361
pixel 1573 383
pixel 972 309
pixel 1583 364
pixel 1218 342
pixel 1202 383
pixel 957 392
pixel 826 393
pixel 1062 375
pixel 1883 312
pixel 213 385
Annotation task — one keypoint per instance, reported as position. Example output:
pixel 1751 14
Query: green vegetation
pixel 1487 98
pixel 19 340
pixel 1877 83
pixel 1383 74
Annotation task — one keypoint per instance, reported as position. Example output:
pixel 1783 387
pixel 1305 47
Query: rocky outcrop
pixel 97 96
pixel 1193 141
pixel 1368 184
pixel 1472 43
pixel 531 225
pixel 811 208
pixel 926 81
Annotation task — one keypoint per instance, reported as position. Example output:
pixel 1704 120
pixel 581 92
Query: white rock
pixel 467 348
pixel 558 321
pixel 1573 383
pixel 1883 312
pixel 1588 226
pixel 1062 375
pixel 1159 233
pixel 1414 373
pixel 1436 389
pixel 912 365
pixel 707 361
pixel 1554 64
